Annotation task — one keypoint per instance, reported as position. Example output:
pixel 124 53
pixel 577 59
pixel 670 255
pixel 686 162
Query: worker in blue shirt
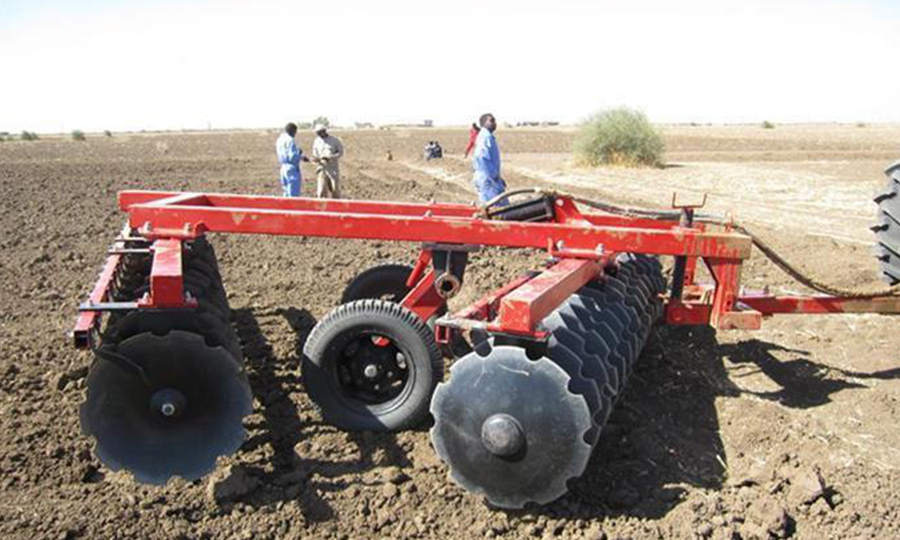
pixel 289 156
pixel 486 162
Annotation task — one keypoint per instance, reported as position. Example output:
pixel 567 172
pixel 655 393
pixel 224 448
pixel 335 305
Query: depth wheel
pixel 371 365
pixel 382 282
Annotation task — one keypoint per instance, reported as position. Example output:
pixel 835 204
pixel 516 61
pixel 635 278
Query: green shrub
pixel 108 133
pixel 78 135
pixel 768 125
pixel 28 136
pixel 321 120
pixel 620 136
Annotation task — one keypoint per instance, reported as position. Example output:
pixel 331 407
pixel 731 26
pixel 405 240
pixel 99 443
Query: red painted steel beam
pixel 419 269
pixel 88 322
pixel 221 200
pixel 127 199
pixel 771 305
pixel 604 220
pixel 172 220
pixel 522 309
pixel 699 314
pixel 687 313
pixel 727 274
pixel 166 278
pixel 185 199
pixel 486 307
pixel 424 299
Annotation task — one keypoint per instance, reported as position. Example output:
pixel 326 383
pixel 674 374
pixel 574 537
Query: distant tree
pixel 108 133
pixel 78 135
pixel 28 136
pixel 768 125
pixel 322 120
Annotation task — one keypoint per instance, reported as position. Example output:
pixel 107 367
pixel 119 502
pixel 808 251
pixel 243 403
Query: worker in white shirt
pixel 327 150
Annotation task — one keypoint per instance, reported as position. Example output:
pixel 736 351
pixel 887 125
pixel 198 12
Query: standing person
pixel 289 156
pixel 327 150
pixel 473 134
pixel 486 162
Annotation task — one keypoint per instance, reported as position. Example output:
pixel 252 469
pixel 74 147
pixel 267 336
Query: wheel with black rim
pixel 371 365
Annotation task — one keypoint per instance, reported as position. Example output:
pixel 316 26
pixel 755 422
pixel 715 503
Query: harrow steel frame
pixel 581 246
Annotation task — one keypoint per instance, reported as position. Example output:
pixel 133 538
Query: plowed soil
pixel 789 431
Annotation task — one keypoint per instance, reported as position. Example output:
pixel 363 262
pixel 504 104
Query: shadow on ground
pixel 664 433
pixel 285 473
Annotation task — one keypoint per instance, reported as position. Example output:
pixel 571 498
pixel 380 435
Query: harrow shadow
pixel 272 380
pixel 284 473
pixel 664 433
pixel 803 383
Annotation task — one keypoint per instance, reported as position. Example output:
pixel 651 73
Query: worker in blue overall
pixel 486 162
pixel 289 156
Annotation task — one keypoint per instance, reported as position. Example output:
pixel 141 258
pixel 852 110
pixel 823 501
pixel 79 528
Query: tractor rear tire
pixel 887 230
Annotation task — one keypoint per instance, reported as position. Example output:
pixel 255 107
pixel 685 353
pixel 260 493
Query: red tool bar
pixel 609 220
pixel 127 199
pixel 770 305
pixel 486 307
pixel 166 280
pixel 522 309
pixel 221 200
pixel 430 226
pixel 88 322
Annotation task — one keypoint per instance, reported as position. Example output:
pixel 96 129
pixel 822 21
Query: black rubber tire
pixel 408 333
pixel 388 282
pixel 383 282
pixel 887 230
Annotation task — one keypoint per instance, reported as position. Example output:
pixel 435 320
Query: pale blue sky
pixel 192 63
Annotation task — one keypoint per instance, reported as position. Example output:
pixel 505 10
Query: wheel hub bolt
pixel 371 371
pixel 168 402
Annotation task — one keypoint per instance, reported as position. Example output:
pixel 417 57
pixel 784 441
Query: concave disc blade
pixel 130 430
pixel 534 394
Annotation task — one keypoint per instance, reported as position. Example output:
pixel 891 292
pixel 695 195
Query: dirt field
pixel 785 432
